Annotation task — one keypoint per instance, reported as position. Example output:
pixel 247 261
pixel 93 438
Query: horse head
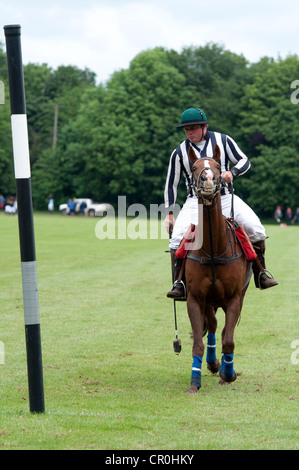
pixel 206 175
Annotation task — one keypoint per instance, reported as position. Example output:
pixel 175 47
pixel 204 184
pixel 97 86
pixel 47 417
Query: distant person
pixel 11 208
pixel 296 217
pixel 2 202
pixel 71 205
pixel 289 215
pixel 9 200
pixel 51 204
pixel 82 208
pixel 278 214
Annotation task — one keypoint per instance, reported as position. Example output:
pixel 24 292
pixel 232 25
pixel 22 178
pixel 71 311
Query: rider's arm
pixel 237 157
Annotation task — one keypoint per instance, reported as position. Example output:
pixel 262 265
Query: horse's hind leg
pixel 213 364
pixel 227 373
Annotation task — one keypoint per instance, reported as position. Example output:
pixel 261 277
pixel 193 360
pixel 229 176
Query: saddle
pixel 238 231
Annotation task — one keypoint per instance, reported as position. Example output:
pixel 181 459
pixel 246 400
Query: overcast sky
pixel 105 35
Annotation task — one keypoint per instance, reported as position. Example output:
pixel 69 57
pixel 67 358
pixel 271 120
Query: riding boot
pixel 178 290
pixel 263 279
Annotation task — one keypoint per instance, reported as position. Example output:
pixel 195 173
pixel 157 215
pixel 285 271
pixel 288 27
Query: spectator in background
pixel 83 206
pixel 51 204
pixel 71 205
pixel 2 202
pixel 12 207
pixel 296 217
pixel 289 215
pixel 278 214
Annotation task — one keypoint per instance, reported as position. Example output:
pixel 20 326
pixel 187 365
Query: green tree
pixel 270 124
pixel 53 98
pixel 7 180
pixel 124 133
pixel 116 139
pixel 40 110
pixel 218 77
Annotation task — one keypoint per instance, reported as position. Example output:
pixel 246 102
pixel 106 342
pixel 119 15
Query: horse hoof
pixel 215 367
pixel 192 390
pixel 225 381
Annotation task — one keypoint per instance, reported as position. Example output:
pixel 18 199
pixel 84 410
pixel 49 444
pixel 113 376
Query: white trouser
pixel 243 215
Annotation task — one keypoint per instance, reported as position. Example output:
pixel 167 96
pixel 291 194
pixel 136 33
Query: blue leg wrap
pixel 211 349
pixel 227 365
pixel 196 371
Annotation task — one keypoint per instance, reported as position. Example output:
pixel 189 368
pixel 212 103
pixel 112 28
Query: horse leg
pixel 196 317
pixel 213 364
pixel 232 312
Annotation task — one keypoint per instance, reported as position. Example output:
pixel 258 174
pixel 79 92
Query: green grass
pixel 112 380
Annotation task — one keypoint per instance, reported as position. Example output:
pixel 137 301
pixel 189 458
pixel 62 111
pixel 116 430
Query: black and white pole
pixel 25 217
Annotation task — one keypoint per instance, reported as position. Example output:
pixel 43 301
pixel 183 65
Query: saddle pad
pixel 184 246
pixel 245 243
pixel 242 236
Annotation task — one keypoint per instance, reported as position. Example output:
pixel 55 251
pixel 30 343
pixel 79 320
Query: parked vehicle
pixel 93 209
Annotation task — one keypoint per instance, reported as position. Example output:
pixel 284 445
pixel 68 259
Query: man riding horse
pixel 203 142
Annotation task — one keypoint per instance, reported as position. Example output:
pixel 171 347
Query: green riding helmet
pixel 193 116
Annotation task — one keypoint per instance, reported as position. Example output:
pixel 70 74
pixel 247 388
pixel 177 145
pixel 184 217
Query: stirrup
pixel 174 286
pixel 269 276
pixel 183 284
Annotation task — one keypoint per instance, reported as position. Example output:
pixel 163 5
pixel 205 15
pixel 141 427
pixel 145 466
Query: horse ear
pixel 216 154
pixel 191 154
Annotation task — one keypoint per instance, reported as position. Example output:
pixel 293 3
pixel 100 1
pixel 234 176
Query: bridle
pixel 198 184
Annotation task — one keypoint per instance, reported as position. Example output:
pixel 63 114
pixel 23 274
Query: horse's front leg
pixel 196 316
pixel 232 312
pixel 213 364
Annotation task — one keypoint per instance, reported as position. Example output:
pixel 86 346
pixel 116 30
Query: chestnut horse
pixel 217 275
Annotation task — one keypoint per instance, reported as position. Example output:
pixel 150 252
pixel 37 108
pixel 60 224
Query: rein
pixel 212 253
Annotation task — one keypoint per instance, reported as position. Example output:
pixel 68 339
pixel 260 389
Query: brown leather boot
pixel 263 279
pixel 178 290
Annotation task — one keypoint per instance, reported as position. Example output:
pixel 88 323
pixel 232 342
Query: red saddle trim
pixel 245 243
pixel 242 236
pixel 184 246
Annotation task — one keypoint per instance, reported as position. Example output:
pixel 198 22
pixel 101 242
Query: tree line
pixel 115 138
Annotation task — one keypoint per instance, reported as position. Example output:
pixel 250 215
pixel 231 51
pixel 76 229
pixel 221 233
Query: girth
pixel 214 260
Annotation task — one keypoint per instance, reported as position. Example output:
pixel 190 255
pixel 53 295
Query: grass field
pixel 112 380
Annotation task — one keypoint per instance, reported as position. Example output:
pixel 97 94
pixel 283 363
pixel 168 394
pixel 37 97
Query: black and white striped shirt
pixel 179 162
